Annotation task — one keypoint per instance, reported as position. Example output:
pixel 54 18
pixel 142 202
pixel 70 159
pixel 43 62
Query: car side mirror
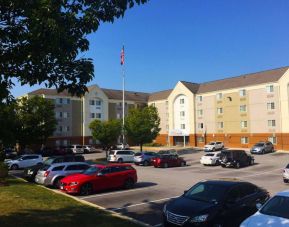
pixel 258 206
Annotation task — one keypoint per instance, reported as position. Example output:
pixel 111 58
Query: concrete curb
pixel 113 213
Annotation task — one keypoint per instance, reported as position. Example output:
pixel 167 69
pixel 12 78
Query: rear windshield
pixel 92 170
pixel 209 154
pixel 277 206
pixel 212 143
pixel 259 144
pixel 138 154
pixel 48 161
pixel 45 167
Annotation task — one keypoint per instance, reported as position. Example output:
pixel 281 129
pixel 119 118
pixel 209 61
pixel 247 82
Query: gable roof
pixel 193 87
pixel 46 91
pixel 159 95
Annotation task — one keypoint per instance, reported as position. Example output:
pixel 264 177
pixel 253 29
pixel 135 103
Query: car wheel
pixel 263 151
pixel 145 163
pixel 237 165
pixel 252 162
pixel 285 181
pixel 183 164
pixel 14 167
pixel 120 160
pixel 223 166
pixel 86 189
pixel 213 150
pixel 56 182
pixel 166 165
pixel 128 184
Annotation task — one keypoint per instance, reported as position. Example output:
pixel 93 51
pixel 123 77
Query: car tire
pixel 166 165
pixel 120 160
pixel 263 151
pixel 146 163
pixel 86 189
pixel 285 181
pixel 213 150
pixel 223 166
pixel 56 182
pixel 237 165
pixel 183 164
pixel 251 162
pixel 128 183
pixel 14 167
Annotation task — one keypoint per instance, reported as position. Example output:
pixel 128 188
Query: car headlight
pixel 73 183
pixel 165 208
pixel 201 218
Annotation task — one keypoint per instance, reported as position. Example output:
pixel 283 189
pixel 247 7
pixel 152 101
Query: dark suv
pixel 236 158
pixel 30 173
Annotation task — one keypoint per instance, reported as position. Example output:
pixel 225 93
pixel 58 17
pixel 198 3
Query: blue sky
pixel 192 40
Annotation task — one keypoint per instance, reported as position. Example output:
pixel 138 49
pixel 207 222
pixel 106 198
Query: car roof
pixel 227 182
pixel 68 163
pixel 30 155
pixel 234 150
pixel 283 193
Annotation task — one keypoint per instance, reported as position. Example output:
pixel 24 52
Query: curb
pixel 113 213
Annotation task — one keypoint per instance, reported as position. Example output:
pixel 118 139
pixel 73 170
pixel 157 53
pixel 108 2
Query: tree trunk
pixel 141 147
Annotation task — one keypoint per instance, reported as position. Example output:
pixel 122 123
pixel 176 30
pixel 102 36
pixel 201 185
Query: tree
pixel 36 120
pixel 42 41
pixel 142 125
pixel 106 132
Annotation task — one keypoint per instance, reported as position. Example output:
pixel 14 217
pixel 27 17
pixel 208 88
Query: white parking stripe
pixel 113 193
pixel 258 174
pixel 140 204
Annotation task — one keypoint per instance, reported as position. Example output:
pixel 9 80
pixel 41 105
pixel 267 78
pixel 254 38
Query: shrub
pixel 3 170
pixel 153 145
pixel 2 156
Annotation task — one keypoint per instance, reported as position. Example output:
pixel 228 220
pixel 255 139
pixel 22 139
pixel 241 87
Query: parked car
pixel 262 148
pixel 211 158
pixel 30 173
pixel 236 158
pixel 273 213
pixel 122 146
pixel 121 156
pixel 75 149
pixel 214 203
pixel 100 177
pixel 170 151
pixel 144 158
pixel 50 175
pixel 166 161
pixel 286 174
pixel 89 149
pixel 213 146
pixel 24 161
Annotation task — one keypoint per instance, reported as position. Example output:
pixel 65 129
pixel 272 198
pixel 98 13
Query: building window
pixel 153 104
pixel 200 139
pixel 167 127
pixel 92 115
pixel 97 102
pixel 270 106
pixel 65 115
pixel 59 101
pixel 182 101
pixel 220 110
pixel 199 98
pixel 182 113
pixel 65 142
pixel 272 139
pixel 242 92
pixel 98 115
pixel 271 123
pixel 270 88
pixel 200 112
pixel 220 125
pixel 183 126
pixel 244 140
pixel 66 129
pixel 244 124
pixel 200 125
pixel 91 102
pixel 219 96
pixel 118 116
pixel 57 142
pixel 243 108
pixel 60 128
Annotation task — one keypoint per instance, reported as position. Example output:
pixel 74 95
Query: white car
pixel 120 156
pixel 24 161
pixel 89 149
pixel 76 149
pixel 211 158
pixel 122 146
pixel 214 145
pixel 286 174
pixel 274 213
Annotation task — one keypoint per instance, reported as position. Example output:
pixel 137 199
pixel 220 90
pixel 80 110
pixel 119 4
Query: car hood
pixel 78 177
pixel 259 219
pixel 257 148
pixel 189 207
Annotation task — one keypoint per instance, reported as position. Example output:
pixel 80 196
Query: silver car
pixel 262 148
pixel 50 175
pixel 286 174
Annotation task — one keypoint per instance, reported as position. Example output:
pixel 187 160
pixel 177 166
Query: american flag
pixel 122 56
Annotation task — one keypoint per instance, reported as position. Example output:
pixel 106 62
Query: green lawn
pixel 25 204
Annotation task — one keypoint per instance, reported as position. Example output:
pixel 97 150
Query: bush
pixel 153 145
pixel 3 170
pixel 2 156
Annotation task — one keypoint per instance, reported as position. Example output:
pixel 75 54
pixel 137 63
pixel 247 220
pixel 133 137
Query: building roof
pixel 193 87
pixel 159 95
pixel 46 91
pixel 262 77
pixel 129 95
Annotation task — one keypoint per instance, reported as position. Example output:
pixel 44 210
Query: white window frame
pixel 272 139
pixel 243 108
pixel 270 105
pixel 182 113
pixel 242 92
pixel 182 101
pixel 183 126
pixel 272 123
pixel 200 112
pixel 219 96
pixel 98 115
pixel 92 115
pixel 244 140
pixel 199 98
pixel 220 125
pixel 270 88
pixel 220 110
pixel 200 125
pixel 244 124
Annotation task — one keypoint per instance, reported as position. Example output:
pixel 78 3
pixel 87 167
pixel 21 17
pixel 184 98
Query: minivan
pixel 121 156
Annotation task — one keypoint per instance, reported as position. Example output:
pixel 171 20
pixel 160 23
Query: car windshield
pixel 138 154
pixel 211 143
pixel 259 145
pixel 209 155
pixel 277 206
pixel 206 192
pixel 92 170
pixel 48 161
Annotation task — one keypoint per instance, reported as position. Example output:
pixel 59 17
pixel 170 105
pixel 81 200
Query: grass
pixel 27 205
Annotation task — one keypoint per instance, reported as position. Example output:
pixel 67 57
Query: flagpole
pixel 123 88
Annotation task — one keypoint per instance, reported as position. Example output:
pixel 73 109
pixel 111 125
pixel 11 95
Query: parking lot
pixel 156 186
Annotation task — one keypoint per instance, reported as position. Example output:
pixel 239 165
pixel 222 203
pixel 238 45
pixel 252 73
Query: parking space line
pixel 266 172
pixel 111 193
pixel 140 204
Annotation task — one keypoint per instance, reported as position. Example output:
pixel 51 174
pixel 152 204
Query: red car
pixel 99 178
pixel 166 161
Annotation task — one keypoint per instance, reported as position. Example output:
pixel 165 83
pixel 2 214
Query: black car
pixel 236 158
pixel 214 203
pixel 30 173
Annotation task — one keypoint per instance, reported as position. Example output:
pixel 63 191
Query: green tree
pixel 106 132
pixel 142 125
pixel 36 120
pixel 42 42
